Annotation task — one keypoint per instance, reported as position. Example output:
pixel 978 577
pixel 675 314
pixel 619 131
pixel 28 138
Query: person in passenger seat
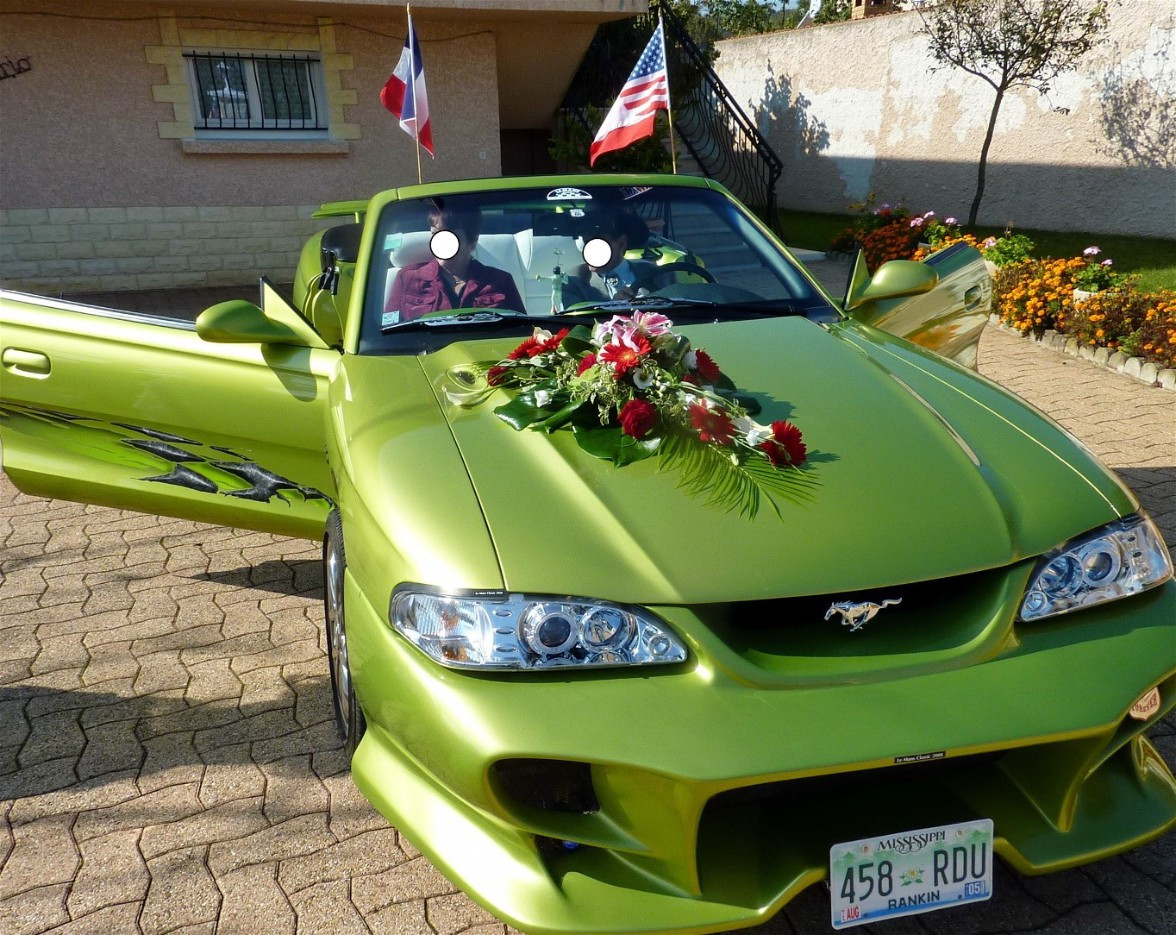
pixel 455 281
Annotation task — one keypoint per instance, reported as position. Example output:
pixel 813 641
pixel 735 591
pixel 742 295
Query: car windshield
pixel 496 261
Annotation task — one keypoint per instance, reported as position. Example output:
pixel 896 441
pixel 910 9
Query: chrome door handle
pixel 25 363
pixel 973 296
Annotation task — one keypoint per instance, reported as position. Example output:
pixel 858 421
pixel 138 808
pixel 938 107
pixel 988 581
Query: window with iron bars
pixel 260 93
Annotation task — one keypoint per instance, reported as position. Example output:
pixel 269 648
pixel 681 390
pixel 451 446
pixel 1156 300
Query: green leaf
pixel 562 417
pixel 578 341
pixel 521 412
pixel 612 444
pixel 710 472
pixel 632 450
pixel 599 442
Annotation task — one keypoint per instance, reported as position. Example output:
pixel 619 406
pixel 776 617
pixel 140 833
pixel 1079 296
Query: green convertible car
pixel 660 584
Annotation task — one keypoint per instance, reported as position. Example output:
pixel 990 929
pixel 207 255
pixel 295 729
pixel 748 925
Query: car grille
pixel 959 616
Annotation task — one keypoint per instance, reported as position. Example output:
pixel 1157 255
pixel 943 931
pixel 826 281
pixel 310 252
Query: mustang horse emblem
pixel 856 616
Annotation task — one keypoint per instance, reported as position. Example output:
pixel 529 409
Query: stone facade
pixel 151 247
pixel 107 183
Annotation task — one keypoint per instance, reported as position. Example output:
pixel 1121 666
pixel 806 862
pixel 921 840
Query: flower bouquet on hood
pixel 632 388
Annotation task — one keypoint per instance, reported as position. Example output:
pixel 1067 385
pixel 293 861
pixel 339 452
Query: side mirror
pixel 893 280
pixel 241 322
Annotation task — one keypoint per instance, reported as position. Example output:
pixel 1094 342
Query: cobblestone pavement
pixel 168 760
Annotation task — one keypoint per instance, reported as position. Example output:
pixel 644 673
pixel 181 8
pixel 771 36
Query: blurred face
pixel 604 250
pixel 452 247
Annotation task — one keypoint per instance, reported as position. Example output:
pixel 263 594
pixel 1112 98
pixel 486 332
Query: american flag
pixel 645 93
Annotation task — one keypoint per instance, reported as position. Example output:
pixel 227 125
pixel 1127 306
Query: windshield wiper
pixel 457 320
pixel 640 302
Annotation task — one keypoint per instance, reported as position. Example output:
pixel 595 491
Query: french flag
pixel 406 97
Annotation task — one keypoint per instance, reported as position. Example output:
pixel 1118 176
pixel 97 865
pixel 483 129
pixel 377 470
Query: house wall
pixel 105 186
pixel 855 108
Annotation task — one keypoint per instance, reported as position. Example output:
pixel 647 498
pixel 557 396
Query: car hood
pixel 923 471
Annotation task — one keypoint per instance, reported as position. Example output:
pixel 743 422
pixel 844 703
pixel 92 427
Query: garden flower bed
pixel 1033 295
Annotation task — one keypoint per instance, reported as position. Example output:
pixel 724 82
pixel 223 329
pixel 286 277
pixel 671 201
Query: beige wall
pixel 854 108
pixel 103 185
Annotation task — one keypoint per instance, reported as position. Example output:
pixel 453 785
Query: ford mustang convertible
pixel 660 584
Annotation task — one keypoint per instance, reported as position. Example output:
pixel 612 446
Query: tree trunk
pixel 984 157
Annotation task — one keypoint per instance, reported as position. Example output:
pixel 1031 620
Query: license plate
pixel 903 874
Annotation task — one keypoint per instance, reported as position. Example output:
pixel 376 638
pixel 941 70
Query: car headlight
pixel 1122 558
pixel 516 631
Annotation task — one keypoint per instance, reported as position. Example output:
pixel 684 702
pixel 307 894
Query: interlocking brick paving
pixel 168 761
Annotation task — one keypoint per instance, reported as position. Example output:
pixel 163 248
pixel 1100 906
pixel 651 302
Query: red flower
pixel 706 368
pixel 587 361
pixel 786 446
pixel 531 347
pixel 495 375
pixel 714 425
pixel 637 418
pixel 555 340
pixel 624 357
pixel 534 345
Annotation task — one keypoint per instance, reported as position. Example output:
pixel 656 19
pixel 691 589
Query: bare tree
pixel 1010 44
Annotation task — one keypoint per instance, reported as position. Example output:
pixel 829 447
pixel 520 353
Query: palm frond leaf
pixel 709 472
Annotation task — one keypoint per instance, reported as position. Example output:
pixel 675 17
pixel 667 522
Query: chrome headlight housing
pixel 1120 559
pixel 497 630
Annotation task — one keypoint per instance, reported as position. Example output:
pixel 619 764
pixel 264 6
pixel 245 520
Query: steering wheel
pixel 681 266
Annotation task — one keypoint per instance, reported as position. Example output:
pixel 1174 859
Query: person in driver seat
pixel 617 278
pixel 458 281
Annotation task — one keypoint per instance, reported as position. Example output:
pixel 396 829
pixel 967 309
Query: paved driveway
pixel 167 754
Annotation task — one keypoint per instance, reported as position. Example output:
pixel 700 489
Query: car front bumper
pixel 718 799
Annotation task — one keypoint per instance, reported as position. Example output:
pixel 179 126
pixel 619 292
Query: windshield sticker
pixel 576 212
pixel 568 194
pixel 388 319
pixel 392 241
pixel 628 193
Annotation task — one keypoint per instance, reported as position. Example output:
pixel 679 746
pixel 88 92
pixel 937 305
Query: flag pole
pixel 412 54
pixel 669 97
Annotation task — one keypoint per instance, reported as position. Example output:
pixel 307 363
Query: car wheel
pixel 348 716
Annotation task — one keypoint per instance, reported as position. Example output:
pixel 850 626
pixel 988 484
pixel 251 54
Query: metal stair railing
pixel 723 140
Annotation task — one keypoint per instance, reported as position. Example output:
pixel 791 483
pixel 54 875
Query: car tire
pixel 349 720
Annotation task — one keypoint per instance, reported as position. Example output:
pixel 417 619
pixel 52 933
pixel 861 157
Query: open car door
pixel 948 319
pixel 142 413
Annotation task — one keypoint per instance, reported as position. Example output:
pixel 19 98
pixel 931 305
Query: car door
pixel 140 412
pixel 948 319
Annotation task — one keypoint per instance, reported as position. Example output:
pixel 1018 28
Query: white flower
pixel 989 243
pixel 929 214
pixel 951 221
pixel 1092 251
pixel 643 378
pixel 542 398
pixel 1107 262
pixel 753 433
pixel 690 360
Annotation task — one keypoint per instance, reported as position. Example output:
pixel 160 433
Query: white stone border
pixel 1144 371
